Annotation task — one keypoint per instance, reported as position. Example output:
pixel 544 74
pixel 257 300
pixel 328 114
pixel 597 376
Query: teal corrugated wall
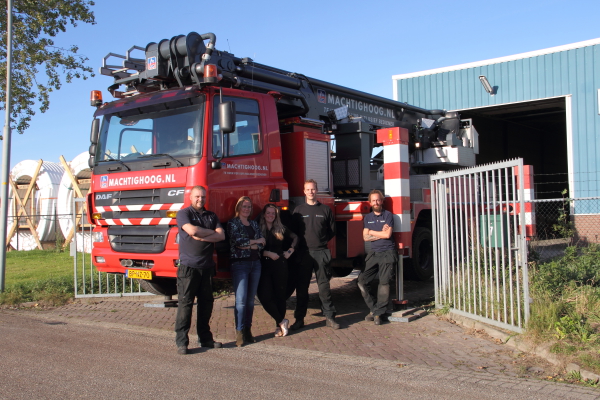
pixel 573 72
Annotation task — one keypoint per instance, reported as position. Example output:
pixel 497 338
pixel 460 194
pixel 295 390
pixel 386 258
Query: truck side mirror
pixel 95 130
pixel 227 116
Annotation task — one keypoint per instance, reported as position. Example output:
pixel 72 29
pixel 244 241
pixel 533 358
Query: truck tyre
pixel 160 286
pixel 422 254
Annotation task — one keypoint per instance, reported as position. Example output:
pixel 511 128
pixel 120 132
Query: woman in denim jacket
pixel 246 243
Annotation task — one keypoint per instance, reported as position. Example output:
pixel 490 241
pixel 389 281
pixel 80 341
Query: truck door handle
pixel 165 164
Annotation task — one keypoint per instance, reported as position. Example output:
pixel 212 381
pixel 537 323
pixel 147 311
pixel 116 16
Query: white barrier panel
pixel 80 169
pixel 45 198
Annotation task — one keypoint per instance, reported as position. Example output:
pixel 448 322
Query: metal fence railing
pixel 563 222
pixel 479 226
pixel 87 280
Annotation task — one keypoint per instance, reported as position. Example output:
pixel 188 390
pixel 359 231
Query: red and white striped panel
pixel 528 195
pixel 141 207
pixel 396 181
pixel 136 221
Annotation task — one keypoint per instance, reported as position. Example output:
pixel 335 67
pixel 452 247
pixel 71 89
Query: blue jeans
pixel 246 275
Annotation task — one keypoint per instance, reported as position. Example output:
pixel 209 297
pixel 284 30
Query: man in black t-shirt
pixel 315 226
pixel 199 229
pixel 380 260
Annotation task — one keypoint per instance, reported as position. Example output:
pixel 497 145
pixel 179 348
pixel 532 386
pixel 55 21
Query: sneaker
pixel 369 317
pixel 284 325
pixel 212 345
pixel 377 320
pixel 330 322
pixel 298 324
pixel 182 350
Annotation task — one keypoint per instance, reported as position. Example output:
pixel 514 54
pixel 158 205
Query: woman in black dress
pixel 280 245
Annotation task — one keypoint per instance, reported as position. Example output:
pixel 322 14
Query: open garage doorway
pixel 534 130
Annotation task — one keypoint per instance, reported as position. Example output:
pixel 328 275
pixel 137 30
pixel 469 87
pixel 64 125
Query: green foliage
pixel 579 266
pixel 564 227
pixel 575 327
pixel 52 292
pixel 35 25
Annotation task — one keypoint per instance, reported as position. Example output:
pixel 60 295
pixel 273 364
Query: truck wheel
pixel 160 286
pixel 422 254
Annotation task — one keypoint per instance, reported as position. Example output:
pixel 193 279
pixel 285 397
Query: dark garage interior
pixel 535 131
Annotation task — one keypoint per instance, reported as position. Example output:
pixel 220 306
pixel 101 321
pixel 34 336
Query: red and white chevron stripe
pixel 396 181
pixel 137 221
pixel 140 207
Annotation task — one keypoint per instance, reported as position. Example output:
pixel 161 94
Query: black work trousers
pixel 316 261
pixel 379 265
pixel 272 287
pixel 194 283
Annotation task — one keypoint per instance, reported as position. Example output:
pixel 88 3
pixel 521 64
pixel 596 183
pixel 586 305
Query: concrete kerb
pixel 515 341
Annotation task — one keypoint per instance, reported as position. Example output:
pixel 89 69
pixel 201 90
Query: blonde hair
pixel 312 181
pixel 375 191
pixel 239 203
pixel 278 229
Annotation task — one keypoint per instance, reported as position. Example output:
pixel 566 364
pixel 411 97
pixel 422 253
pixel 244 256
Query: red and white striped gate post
pixel 397 189
pixel 528 196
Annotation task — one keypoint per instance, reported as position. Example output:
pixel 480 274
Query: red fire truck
pixel 188 114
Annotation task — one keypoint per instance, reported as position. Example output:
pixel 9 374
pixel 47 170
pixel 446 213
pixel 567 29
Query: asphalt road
pixel 71 359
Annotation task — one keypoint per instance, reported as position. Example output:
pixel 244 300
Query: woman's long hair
pixel 238 205
pixel 278 229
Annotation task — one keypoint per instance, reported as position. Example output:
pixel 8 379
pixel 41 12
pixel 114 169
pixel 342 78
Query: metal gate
pixel 87 280
pixel 480 251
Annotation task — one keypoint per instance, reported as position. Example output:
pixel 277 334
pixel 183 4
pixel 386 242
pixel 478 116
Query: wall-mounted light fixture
pixel 486 85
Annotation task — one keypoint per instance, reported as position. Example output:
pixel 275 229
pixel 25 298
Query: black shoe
pixel 182 350
pixel 298 324
pixel 330 322
pixel 369 317
pixel 377 320
pixel 212 345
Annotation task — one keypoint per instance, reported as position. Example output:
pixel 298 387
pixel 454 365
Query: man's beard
pixel 377 208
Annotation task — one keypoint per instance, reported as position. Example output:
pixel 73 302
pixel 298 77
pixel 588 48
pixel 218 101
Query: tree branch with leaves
pixel 39 67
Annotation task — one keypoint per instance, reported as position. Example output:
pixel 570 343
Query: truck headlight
pixel 97 237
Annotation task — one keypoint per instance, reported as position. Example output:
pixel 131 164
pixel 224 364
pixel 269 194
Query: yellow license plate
pixel 137 274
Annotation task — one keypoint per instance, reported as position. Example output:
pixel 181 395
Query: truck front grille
pixel 138 239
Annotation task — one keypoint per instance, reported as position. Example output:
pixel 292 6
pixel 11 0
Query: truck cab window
pixel 175 132
pixel 246 137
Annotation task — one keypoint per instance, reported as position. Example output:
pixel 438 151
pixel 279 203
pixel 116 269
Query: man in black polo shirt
pixel 315 226
pixel 198 230
pixel 380 260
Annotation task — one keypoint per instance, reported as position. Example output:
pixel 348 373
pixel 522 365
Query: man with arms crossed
pixel 199 229
pixel 315 227
pixel 380 260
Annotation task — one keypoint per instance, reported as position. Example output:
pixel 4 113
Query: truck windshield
pixel 177 133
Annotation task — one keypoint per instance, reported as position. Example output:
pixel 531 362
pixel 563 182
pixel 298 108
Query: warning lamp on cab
pixel 96 98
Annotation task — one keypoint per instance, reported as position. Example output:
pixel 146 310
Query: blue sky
pixel 358 44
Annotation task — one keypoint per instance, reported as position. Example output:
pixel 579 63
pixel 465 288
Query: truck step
pixel 407 315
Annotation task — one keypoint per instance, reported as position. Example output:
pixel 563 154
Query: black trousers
pixel 194 283
pixel 301 271
pixel 272 287
pixel 378 265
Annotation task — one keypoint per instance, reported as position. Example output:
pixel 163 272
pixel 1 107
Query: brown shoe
pixel 369 317
pixel 377 320
pixel 239 338
pixel 330 322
